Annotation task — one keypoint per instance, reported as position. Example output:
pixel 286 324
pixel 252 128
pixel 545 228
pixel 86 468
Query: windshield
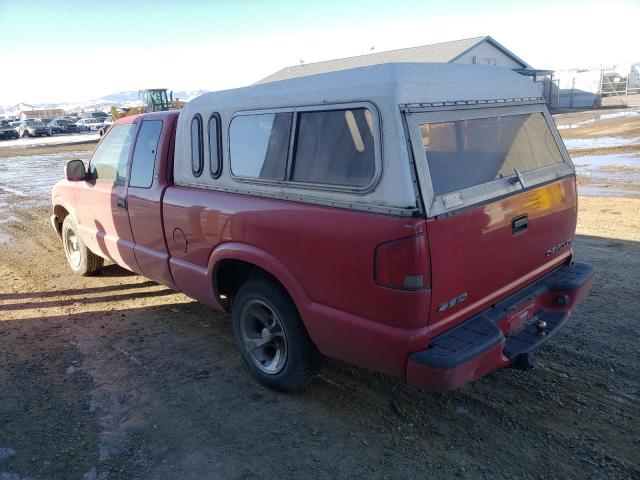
pixel 465 153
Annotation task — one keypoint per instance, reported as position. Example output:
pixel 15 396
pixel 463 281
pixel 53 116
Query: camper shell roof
pixel 396 83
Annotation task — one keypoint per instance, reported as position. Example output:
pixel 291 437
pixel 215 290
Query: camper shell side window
pixel 330 147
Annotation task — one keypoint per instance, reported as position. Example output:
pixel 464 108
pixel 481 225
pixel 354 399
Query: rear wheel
pixel 271 336
pixel 81 260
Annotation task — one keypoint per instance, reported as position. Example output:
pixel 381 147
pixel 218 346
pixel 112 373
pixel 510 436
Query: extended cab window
pixel 260 145
pixel 197 155
pixel 144 154
pixel 335 147
pixel 464 153
pixel 214 146
pixel 109 162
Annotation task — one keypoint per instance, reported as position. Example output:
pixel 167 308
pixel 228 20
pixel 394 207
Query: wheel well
pixel 61 213
pixel 230 275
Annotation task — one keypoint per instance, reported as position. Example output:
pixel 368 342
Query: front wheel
pixel 81 260
pixel 271 336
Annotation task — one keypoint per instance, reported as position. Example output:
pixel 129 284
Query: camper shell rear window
pixel 467 156
pixel 464 153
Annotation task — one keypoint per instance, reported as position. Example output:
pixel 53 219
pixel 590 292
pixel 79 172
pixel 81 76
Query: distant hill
pixel 120 99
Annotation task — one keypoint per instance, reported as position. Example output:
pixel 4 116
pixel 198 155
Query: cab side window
pixel 109 162
pixel 144 154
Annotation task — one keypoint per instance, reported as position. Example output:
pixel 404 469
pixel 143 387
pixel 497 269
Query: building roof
pixel 445 52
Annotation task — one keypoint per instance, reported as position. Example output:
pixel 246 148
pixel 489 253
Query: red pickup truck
pixel 415 219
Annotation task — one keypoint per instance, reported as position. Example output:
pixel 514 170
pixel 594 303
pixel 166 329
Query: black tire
pixel 301 359
pixel 81 260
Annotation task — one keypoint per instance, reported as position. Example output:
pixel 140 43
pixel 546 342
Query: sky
pixel 65 51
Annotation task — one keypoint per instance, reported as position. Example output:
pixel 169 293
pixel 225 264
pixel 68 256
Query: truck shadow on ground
pixel 76 291
pixel 139 294
pixel 161 392
pixel 115 271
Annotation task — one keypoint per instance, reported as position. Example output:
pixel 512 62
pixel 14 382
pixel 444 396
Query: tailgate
pixel 484 253
pixel 500 197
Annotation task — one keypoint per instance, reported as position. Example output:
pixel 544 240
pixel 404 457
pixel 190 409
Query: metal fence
pixel 594 89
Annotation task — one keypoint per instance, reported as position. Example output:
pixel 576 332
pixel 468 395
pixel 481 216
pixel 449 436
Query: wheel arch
pixel 61 210
pixel 232 263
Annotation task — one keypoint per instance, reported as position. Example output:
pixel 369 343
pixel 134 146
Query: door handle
pixel 519 224
pixel 121 203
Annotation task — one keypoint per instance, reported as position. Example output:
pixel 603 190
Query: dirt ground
pixel 622 123
pixel 10 151
pixel 116 377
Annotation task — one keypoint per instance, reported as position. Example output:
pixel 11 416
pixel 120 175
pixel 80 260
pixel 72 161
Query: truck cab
pixel 415 219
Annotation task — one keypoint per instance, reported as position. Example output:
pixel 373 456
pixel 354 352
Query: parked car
pixel 101 116
pixel 61 125
pixel 7 132
pixel 33 128
pixel 53 127
pixel 108 121
pixel 88 124
pixel 415 219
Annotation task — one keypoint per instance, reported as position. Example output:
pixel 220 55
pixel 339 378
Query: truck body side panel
pixel 329 251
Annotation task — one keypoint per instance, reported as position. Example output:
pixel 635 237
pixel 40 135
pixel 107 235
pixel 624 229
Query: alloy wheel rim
pixel 72 247
pixel 263 337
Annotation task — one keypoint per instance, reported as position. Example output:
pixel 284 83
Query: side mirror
pixel 75 170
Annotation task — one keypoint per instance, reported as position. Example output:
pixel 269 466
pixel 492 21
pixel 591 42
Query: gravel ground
pixel 116 377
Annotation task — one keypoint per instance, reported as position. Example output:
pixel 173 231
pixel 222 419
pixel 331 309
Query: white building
pixel 477 50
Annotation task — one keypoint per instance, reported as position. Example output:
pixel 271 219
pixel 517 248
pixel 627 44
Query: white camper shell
pixel 400 101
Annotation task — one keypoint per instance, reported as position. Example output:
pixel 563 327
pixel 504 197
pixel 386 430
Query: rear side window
pixel 214 146
pixel 465 153
pixel 197 155
pixel 109 162
pixel 335 147
pixel 259 145
pixel 144 154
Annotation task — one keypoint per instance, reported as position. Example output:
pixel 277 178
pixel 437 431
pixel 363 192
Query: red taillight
pixel 404 263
